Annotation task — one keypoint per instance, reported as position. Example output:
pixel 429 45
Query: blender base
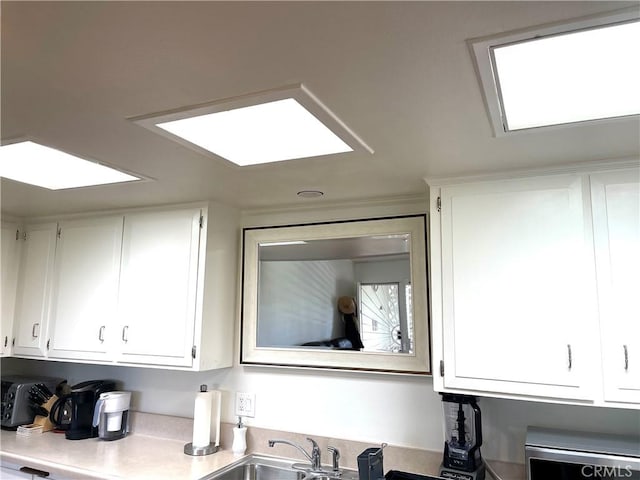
pixel 450 473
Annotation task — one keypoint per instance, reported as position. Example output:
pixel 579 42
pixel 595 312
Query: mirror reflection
pixel 349 294
pixel 340 293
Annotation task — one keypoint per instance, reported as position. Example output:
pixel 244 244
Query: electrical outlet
pixel 245 404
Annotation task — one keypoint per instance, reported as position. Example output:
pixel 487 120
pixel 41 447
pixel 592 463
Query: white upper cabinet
pixel 85 295
pixel 616 225
pixel 158 286
pixel 517 296
pixel 34 289
pixel 153 287
pixel 9 261
pixel 518 309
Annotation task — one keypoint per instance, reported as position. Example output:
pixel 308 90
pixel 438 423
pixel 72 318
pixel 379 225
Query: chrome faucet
pixel 336 459
pixel 314 458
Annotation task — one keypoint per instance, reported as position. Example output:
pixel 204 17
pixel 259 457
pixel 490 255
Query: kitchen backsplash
pixel 402 411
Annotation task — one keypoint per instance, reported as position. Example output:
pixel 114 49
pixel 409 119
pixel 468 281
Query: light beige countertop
pixel 135 456
pixel 155 450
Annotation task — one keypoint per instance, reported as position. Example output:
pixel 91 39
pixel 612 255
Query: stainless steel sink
pixel 264 467
pixel 252 471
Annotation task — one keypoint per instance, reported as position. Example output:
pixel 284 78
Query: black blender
pixel 463 437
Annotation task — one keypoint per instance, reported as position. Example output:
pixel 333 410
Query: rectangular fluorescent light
pixel 581 76
pixel 582 71
pixel 280 244
pixel 30 162
pixel 271 126
pixel 269 132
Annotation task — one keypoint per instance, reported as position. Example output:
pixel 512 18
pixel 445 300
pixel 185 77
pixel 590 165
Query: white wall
pixel 397 409
pixel 384 271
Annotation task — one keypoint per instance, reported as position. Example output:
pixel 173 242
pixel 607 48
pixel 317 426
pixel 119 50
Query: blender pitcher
pixel 111 415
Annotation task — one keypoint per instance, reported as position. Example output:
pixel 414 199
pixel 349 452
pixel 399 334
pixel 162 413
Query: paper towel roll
pixel 202 419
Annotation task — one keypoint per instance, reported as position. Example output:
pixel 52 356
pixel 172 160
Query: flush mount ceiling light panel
pixel 30 162
pixel 276 125
pixel 585 70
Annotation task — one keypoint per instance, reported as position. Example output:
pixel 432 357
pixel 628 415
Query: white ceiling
pixel 399 74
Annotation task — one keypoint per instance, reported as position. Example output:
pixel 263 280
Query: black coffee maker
pixel 73 412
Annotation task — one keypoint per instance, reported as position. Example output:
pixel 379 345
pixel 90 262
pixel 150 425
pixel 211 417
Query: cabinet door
pixel 157 304
pixel 86 287
pixel 9 262
pixel 34 289
pixel 616 225
pixel 518 287
pixel 7 473
pixel 11 471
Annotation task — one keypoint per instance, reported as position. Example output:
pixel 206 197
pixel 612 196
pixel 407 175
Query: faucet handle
pixel 336 457
pixel 316 462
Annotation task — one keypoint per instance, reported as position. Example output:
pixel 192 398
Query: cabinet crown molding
pixel 582 168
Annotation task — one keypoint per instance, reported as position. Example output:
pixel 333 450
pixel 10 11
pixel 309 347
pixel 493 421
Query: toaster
pixel 16 406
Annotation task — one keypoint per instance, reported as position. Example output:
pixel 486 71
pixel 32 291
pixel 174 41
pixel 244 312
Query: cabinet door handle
pixel 35 330
pixel 34 471
pixel 101 334
pixel 569 356
pixel 6 340
pixel 626 358
pixel 125 332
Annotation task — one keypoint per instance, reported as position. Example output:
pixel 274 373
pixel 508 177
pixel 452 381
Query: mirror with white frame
pixel 344 295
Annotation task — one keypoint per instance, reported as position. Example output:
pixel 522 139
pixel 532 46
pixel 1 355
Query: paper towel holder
pixel 194 451
pixel 189 449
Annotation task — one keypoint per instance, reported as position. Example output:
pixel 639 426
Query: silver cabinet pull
pixel 569 356
pixel 125 332
pixel 101 334
pixel 35 330
pixel 626 358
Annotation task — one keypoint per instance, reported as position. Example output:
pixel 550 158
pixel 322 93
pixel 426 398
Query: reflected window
pixel 409 310
pixel 384 317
